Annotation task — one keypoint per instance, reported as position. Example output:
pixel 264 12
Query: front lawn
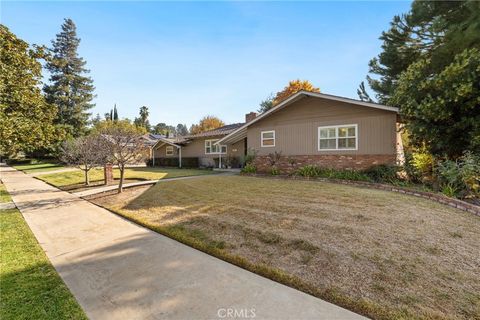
pixel 29 285
pixel 38 167
pixel 382 254
pixel 74 179
pixel 4 196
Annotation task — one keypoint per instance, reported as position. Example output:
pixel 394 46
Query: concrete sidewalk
pixel 119 270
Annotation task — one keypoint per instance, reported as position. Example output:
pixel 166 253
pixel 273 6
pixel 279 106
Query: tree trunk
pixel 120 184
pixel 87 181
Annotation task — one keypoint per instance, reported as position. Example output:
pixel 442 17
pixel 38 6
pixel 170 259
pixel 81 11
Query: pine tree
pixel 69 89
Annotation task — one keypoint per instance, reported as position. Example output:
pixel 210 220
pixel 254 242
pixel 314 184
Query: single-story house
pixel 306 128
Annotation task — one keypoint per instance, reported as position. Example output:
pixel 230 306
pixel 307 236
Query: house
pixel 200 150
pixel 307 128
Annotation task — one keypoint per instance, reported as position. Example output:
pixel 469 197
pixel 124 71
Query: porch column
pixel 180 157
pixel 220 161
pixel 153 156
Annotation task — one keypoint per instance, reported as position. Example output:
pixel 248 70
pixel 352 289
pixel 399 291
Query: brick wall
pixel 288 164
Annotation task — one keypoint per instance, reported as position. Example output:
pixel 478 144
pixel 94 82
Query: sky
pixel 185 60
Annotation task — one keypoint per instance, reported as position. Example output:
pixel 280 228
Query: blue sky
pixel 185 60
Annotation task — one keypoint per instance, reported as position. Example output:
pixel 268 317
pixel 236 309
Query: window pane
pixel 351 143
pixel 207 150
pixel 342 143
pixel 224 149
pixel 323 133
pixel 327 144
pixel 331 133
pixel 351 132
pixel 268 142
pixel 267 135
pixel 342 132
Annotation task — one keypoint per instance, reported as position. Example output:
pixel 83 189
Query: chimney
pixel 250 116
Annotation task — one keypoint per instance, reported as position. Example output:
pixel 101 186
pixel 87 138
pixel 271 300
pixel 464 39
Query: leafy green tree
pixel 142 120
pixel 181 130
pixel 207 123
pixel 266 104
pixel 26 119
pixel 442 111
pixel 164 129
pixel 70 89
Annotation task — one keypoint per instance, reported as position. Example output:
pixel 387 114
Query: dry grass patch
pixel 382 254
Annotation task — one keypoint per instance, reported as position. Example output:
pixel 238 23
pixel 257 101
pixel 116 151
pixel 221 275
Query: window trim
pixel 262 139
pixel 337 137
pixel 213 145
pixel 167 148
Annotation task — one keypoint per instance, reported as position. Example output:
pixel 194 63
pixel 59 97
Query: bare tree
pixel 124 145
pixel 85 153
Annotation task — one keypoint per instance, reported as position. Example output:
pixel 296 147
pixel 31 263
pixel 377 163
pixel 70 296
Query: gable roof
pixel 216 132
pixel 241 132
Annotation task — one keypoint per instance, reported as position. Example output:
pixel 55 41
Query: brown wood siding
pixel 162 152
pixel 296 128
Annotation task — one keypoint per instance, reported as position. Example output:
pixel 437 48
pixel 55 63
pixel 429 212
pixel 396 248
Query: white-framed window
pixel 169 150
pixel 343 137
pixel 212 148
pixel 268 138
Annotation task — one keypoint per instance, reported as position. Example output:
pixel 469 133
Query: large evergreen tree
pixel 70 89
pixel 26 120
pixel 433 30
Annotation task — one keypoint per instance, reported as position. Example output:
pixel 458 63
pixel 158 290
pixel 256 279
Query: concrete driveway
pixel 119 270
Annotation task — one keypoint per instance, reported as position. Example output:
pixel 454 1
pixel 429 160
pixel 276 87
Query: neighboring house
pixel 200 149
pixel 306 128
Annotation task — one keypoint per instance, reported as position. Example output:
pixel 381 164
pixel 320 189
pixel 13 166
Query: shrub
pixel 274 171
pixel 461 177
pixel 315 171
pixel 308 171
pixel 250 157
pixel 382 173
pixel 173 162
pixel 249 168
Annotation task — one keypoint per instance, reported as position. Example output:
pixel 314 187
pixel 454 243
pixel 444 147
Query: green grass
pixel 30 287
pixel 4 196
pixel 64 179
pixel 38 167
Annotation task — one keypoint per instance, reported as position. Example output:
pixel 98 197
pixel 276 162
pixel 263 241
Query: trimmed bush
pixel 382 173
pixel 315 171
pixel 249 168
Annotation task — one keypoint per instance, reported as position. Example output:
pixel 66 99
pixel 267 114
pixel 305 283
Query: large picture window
pixel 268 138
pixel 344 137
pixel 212 148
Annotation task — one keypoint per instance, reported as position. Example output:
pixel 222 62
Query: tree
pixel 85 153
pixel 124 144
pixel 26 119
pixel 207 123
pixel 442 111
pixel 266 104
pixel 163 129
pixel 69 89
pixel 181 130
pixel 142 121
pixel 293 87
pixel 434 30
pixel 113 114
pixel 362 93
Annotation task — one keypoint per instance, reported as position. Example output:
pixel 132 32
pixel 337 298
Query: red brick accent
pixel 108 173
pixel 288 164
pixel 250 116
